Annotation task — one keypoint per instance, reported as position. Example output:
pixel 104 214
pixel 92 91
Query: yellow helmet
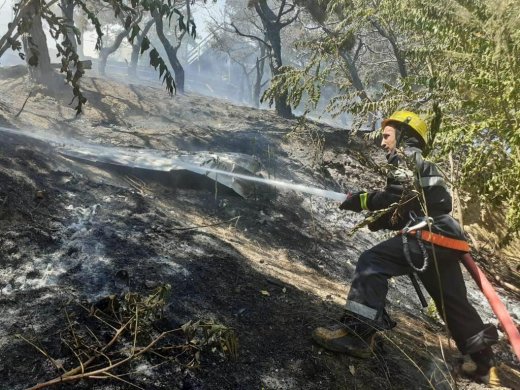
pixel 411 119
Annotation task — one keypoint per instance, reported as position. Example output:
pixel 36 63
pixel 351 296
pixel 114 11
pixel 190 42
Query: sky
pixel 203 14
pixel 6 13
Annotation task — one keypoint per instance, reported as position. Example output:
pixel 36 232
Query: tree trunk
pixel 136 48
pixel 79 50
pixel 244 83
pixel 171 52
pixel 352 69
pixel 401 63
pixel 272 28
pixel 35 46
pixel 260 64
pixel 106 51
pixel 67 8
pixel 178 70
pixel 280 104
pixel 282 108
pixel 354 75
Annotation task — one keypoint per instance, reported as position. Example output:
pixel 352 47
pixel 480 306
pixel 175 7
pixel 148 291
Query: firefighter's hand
pixel 353 202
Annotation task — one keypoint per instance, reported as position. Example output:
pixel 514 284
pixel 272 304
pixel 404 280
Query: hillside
pixel 77 236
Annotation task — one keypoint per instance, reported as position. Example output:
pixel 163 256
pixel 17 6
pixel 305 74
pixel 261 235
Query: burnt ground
pixel 271 267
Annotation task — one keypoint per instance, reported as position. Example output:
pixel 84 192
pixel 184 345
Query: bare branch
pixel 259 11
pixel 280 11
pixel 360 46
pixel 41 351
pixel 381 30
pixel 382 62
pixel 11 27
pixel 289 21
pixel 251 36
pixel 288 11
pixel 254 23
pixel 398 53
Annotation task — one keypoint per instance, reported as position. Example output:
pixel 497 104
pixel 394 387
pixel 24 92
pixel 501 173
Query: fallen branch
pixel 104 372
pixel 130 316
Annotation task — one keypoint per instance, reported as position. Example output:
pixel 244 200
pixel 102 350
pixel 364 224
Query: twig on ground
pixel 490 270
pixel 41 351
pixel 138 184
pixel 24 103
pixel 204 226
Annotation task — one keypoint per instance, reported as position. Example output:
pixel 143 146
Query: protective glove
pixel 354 201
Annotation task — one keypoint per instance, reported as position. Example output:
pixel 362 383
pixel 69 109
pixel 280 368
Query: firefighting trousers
pixel 444 283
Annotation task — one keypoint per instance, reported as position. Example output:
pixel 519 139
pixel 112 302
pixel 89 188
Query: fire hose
pixel 496 304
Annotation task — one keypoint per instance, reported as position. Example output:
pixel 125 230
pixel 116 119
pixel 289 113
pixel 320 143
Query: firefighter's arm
pixel 371 201
pixel 379 200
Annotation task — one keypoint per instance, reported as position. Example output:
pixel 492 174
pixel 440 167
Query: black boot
pixel 481 365
pixel 481 368
pixel 353 338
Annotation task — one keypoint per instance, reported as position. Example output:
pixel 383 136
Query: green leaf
pixel 154 58
pixel 182 26
pixel 145 45
pixel 33 60
pixel 133 34
pixel 128 22
pixel 162 69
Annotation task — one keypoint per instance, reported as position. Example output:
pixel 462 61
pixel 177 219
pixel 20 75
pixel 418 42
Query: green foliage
pixel 462 63
pixel 431 311
pixel 91 16
pixel 470 65
pixel 298 83
pixel 209 333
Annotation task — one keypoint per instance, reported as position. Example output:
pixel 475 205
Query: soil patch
pixel 271 267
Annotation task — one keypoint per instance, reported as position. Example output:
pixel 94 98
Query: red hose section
pixel 494 300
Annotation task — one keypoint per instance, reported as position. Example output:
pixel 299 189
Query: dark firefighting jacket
pixel 419 189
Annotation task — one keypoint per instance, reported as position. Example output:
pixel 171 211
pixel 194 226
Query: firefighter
pixel 404 136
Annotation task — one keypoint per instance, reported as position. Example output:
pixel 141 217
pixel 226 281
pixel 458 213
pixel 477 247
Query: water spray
pixel 338 196
pixel 160 161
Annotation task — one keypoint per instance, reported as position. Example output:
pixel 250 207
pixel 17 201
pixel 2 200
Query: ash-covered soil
pixel 271 267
